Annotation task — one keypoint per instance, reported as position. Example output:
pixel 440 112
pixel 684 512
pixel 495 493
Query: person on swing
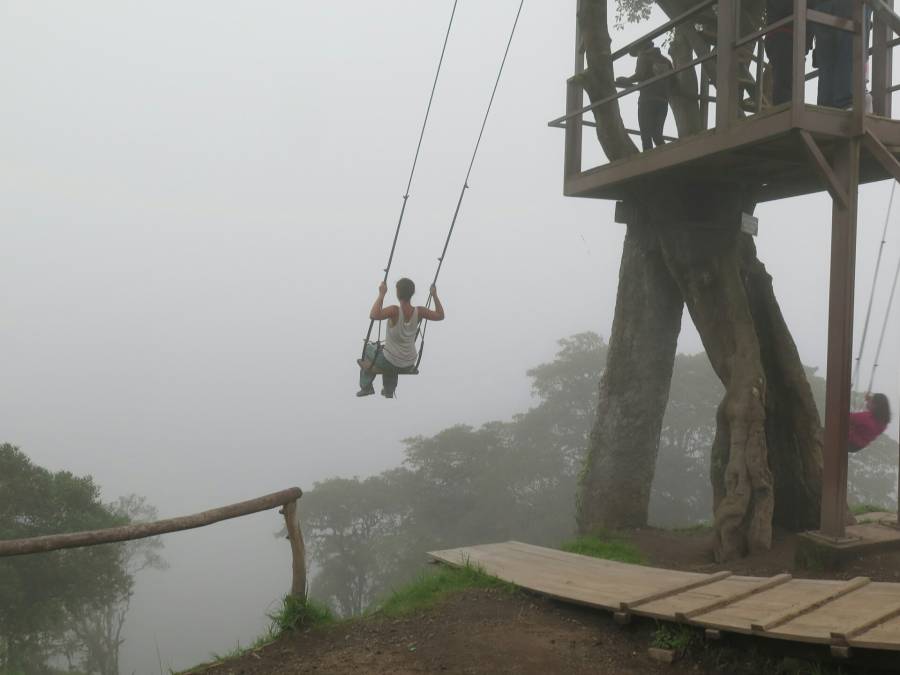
pixel 869 424
pixel 399 349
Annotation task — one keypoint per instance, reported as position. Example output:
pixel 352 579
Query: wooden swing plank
pixel 369 368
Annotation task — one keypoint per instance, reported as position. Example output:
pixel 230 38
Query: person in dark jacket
pixel 653 100
pixel 780 50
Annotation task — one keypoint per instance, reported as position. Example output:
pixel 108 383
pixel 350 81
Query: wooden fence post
pixel 298 549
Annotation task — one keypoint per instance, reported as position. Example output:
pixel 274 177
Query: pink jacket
pixel 864 429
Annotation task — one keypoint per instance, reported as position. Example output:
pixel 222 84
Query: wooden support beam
pixel 677 590
pixel 880 617
pixel 622 618
pixel 840 341
pixel 823 168
pixel 780 618
pixel 838 652
pixel 734 597
pixel 713 634
pixel 882 154
pixel 111 535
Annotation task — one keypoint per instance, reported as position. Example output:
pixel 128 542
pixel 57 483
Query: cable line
pixel 862 343
pixel 887 314
pixel 465 185
pixel 412 170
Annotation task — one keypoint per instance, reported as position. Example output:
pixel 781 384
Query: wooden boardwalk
pixel 856 613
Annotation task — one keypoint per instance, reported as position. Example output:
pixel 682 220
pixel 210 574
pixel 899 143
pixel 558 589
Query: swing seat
pixel 366 365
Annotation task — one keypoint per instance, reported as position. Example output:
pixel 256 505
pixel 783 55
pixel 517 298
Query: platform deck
pixel 857 613
pixel 764 148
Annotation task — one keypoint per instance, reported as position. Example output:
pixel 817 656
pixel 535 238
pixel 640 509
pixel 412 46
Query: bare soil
pixel 496 632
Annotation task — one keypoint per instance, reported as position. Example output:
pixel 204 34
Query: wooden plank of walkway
pixel 734 597
pixel 858 613
pixel 867 625
pixel 853 609
pixel 769 622
pixel 674 590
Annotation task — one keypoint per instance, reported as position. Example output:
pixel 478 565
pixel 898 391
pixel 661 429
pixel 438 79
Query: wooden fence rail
pixel 287 499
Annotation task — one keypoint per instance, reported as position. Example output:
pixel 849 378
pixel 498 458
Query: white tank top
pixel 400 341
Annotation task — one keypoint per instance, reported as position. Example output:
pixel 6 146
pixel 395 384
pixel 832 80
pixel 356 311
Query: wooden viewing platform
pixel 745 144
pixel 770 149
pixel 856 613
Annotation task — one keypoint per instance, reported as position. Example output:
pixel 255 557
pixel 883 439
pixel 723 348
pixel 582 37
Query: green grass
pixel 677 637
pixel 298 613
pixel 433 586
pixel 605 546
pixel 861 509
pixel 294 613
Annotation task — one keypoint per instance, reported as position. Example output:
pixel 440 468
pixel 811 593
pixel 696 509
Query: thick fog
pixel 196 203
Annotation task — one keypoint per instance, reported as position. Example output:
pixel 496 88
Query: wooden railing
pixel 287 499
pixel 719 66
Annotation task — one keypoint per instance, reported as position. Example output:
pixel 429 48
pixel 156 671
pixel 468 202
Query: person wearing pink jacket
pixel 869 424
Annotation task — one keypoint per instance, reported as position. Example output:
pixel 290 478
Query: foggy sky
pixel 196 202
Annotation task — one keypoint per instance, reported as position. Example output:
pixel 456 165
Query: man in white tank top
pixel 399 350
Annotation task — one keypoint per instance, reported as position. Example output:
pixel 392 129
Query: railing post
pixel 298 549
pixel 760 68
pixel 859 68
pixel 726 65
pixel 882 67
pixel 574 102
pixel 798 64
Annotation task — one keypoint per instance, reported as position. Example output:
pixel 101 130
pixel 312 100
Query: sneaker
pixel 368 391
pixel 387 394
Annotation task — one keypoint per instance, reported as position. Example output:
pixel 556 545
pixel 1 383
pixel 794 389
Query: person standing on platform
pixel 653 100
pixel 833 55
pixel 780 50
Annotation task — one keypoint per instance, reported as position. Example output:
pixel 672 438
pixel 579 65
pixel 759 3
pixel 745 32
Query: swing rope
pixel 887 314
pixel 862 343
pixel 412 171
pixel 465 185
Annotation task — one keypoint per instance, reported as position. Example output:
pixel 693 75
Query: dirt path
pixel 492 632
pixel 488 632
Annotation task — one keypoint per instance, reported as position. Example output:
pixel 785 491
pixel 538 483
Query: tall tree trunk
pixel 684 246
pixel 704 258
pixel 615 486
pixel 793 426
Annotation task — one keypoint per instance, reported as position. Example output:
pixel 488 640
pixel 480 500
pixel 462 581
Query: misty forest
pixel 367 536
pixel 183 338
